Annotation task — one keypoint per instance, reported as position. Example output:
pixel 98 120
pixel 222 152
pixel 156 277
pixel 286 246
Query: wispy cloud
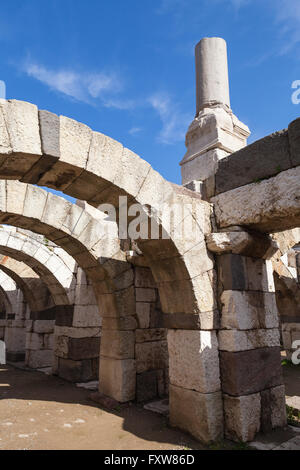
pixel 288 19
pixel 135 131
pixel 174 122
pixel 85 87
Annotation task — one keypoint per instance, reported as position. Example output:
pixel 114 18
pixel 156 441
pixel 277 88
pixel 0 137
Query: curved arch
pixel 47 264
pixel 44 149
pixel 35 291
pixel 13 294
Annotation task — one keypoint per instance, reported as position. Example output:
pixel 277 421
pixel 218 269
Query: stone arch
pixel 41 148
pixel 47 264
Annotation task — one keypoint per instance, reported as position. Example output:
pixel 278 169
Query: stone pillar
pixel 212 85
pixel 249 338
pixel 215 132
pixel 77 334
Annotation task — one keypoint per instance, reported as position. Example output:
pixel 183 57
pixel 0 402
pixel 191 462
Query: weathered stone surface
pixel 294 140
pixel 144 278
pixel 43 326
pixel 242 417
pixel 145 295
pixel 273 408
pixel 245 310
pixel 262 159
pixel 143 314
pixel 83 348
pixel 185 321
pixel 146 386
pixel 78 371
pixel 40 358
pixel 199 414
pixel 271 205
pixel 151 355
pixel 241 242
pixel 251 371
pixel 235 340
pixel 153 334
pixel 117 378
pixel 240 273
pixel 123 323
pixel 199 348
pixel 117 344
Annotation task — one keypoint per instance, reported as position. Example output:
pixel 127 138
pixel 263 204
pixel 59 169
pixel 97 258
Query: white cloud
pixel 86 87
pixel 134 131
pixel 174 122
pixel 288 18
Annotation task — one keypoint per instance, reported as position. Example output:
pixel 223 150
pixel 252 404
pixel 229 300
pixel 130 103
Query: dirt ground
pixel 46 413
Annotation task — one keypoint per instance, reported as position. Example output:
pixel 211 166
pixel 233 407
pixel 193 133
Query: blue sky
pixel 126 67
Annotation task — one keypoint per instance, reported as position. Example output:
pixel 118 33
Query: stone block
pixel 242 417
pixel 145 295
pixel 247 372
pixel 199 414
pixel 151 355
pixel 245 310
pixel 43 326
pixel 78 371
pixel 83 348
pixel 117 378
pixel 259 160
pixel 199 348
pixel 146 386
pixel 153 334
pixel 294 140
pixel 123 323
pixel 143 278
pixel 143 314
pixel 235 340
pixel 41 358
pixel 117 344
pixel 185 321
pixel 86 316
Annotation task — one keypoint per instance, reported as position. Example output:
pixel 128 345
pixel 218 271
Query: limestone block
pixel 34 341
pixel 294 134
pixel 76 332
pixel 117 344
pixel 200 414
pixel 146 386
pixel 246 310
pixel 143 278
pixel 123 323
pixel 83 348
pixel 153 334
pixel 251 371
pixel 259 160
pixel 151 355
pixel 117 378
pixel 185 321
pixel 242 417
pixel 143 314
pixel 238 272
pixel 43 326
pixel 145 295
pixel 278 408
pixel 189 296
pixel 86 316
pixel 78 371
pixel 84 295
pixel 15 339
pixel 199 348
pixel 41 358
pixel 270 205
pixel 235 340
pixel 49 129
